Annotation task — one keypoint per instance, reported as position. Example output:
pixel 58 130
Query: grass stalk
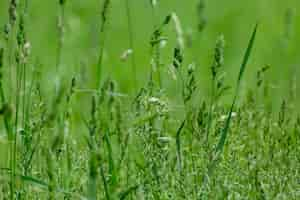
pixel 104 18
pixel 60 34
pixel 225 130
pixel 131 43
pixel 156 48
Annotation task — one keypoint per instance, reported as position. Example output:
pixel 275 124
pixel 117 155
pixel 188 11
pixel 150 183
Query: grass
pixel 138 110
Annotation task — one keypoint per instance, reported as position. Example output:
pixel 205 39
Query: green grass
pixel 136 100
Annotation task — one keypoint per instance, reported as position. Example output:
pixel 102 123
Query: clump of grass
pixel 151 147
pixel 225 129
pixel 221 143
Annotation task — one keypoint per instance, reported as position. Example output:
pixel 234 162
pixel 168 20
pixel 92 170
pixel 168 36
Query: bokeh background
pixel 277 43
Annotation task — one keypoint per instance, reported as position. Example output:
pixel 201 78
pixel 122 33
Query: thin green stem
pixel 10 47
pixel 60 26
pixel 99 69
pixel 210 115
pixel 18 94
pixel 99 65
pixel 156 50
pixel 131 43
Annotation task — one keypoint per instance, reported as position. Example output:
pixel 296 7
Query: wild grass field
pixel 149 99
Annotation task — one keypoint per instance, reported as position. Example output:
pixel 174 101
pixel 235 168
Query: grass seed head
pixel 105 10
pixel 12 12
pixel 218 56
pixel 260 75
pixel 6 31
pixel 177 58
pixel 190 86
pixel 21 33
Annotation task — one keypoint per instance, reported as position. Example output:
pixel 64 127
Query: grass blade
pixel 225 130
pixel 131 42
pixel 248 53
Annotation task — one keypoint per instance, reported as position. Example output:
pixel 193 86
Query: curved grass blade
pixel 225 130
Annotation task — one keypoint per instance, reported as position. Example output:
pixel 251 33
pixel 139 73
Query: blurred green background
pixel 277 43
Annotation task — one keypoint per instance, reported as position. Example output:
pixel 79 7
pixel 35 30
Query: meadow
pixel 149 99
